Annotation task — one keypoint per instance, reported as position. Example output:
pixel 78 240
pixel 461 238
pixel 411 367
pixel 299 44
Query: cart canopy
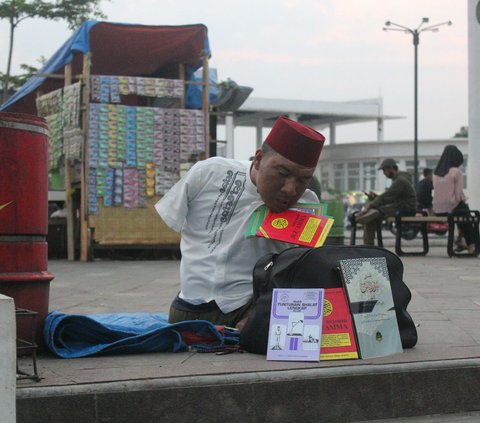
pixel 117 49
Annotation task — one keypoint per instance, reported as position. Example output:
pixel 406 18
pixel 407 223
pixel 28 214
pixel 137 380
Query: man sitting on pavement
pixel 211 206
pixel 399 197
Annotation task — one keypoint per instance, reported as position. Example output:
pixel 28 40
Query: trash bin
pixel 24 272
pixel 336 210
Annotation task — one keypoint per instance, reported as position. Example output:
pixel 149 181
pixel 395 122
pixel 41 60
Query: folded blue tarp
pixel 73 335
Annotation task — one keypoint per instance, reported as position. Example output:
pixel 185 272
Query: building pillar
pixel 229 135
pixel 293 116
pixel 473 165
pixel 380 120
pixel 380 129
pixel 333 134
pixel 259 129
pixel 8 357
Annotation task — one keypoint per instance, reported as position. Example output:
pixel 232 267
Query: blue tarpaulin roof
pixel 117 49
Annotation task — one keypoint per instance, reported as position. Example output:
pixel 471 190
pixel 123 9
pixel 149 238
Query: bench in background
pixel 421 221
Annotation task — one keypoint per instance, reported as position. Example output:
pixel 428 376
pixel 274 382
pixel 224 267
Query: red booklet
pixel 338 336
pixel 296 227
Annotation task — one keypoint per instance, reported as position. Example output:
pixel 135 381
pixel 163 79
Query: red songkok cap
pixel 296 142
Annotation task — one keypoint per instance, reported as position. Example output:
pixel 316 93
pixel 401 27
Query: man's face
pixel 389 172
pixel 279 181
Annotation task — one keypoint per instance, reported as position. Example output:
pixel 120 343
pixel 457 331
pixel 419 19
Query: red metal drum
pixel 24 272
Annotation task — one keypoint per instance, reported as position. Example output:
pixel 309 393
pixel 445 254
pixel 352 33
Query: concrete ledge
pixel 8 357
pixel 340 394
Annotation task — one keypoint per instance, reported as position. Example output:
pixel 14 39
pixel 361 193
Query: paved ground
pixel 437 418
pixel 445 306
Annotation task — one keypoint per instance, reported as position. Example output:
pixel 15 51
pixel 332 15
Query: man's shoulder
pixel 222 162
pixel 309 196
pixel 425 183
pixel 455 171
pixel 215 168
pixel 403 177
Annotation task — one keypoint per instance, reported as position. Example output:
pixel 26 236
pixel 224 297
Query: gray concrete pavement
pixel 473 417
pixel 440 375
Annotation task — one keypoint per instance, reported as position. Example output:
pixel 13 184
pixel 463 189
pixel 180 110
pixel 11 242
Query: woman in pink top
pixel 448 195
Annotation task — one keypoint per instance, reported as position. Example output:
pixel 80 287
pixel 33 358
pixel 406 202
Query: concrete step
pixel 473 417
pixel 362 392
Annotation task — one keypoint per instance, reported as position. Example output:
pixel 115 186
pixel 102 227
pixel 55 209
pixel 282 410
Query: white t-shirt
pixel 211 206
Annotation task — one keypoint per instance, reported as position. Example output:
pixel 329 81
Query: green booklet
pixel 370 298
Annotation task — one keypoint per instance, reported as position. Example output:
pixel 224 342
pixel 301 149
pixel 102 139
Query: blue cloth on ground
pixel 74 336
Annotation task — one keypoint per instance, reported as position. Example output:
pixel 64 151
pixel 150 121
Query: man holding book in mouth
pixel 211 206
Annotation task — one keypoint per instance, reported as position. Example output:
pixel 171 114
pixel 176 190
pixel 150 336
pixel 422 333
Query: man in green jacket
pixel 399 197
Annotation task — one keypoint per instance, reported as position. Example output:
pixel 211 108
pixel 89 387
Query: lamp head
pixel 388 23
pixel 425 20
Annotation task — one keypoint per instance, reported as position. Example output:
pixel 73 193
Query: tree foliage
pixel 462 133
pixel 74 12
pixel 27 71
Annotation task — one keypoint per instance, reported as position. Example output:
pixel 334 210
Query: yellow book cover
pixel 296 227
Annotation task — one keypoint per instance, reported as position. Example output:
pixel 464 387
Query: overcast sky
pixel 328 50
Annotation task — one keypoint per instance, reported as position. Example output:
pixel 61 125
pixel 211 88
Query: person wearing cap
pixel 400 196
pixel 211 206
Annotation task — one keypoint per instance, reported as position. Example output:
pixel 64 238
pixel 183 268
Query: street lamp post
pixel 416 39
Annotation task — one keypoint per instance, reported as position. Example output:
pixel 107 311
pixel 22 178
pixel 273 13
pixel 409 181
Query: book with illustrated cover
pixel 297 225
pixel 369 293
pixel 295 328
pixel 338 336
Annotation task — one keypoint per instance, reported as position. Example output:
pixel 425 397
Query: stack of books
pixel 356 321
pixel 304 224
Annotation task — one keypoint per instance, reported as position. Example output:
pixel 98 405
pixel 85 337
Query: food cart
pixel 122 131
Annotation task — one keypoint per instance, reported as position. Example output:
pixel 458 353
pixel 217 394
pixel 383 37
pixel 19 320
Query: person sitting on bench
pixel 399 197
pixel 424 190
pixel 448 195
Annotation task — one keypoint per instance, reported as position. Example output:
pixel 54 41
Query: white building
pixel 343 166
pixel 354 166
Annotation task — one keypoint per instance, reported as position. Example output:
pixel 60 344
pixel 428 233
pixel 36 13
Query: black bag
pixel 303 267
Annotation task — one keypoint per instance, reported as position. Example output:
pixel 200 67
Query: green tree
pixel 16 11
pixel 16 81
pixel 462 133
